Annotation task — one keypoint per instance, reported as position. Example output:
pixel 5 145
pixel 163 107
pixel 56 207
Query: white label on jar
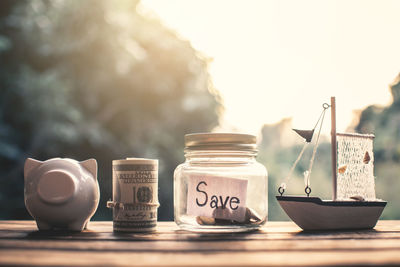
pixel 217 197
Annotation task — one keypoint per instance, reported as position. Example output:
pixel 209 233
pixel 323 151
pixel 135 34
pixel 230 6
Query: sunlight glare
pixel 278 59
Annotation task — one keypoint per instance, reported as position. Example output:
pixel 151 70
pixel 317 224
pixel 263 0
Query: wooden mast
pixel 334 147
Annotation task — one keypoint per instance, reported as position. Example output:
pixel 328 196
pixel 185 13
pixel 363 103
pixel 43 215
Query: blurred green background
pixel 98 79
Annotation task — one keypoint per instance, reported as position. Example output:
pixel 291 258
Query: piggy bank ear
pixel 91 166
pixel 30 164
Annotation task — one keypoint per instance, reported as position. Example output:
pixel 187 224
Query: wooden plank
pixel 278 243
pixel 106 226
pixel 205 246
pixel 269 227
pixel 299 258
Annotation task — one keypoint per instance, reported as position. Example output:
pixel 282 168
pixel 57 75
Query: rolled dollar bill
pixel 135 195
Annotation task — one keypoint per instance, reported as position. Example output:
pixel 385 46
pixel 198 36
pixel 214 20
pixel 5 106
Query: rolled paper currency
pixel 135 195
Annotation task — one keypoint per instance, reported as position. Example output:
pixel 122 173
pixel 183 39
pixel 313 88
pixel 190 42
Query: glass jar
pixel 220 187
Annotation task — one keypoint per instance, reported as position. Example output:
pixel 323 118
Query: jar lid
pixel 135 161
pixel 220 141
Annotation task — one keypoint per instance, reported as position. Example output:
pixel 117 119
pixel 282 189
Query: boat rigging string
pixel 307 173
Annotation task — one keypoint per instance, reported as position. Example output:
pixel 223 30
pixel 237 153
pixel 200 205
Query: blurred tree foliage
pixel 99 79
pixel 384 122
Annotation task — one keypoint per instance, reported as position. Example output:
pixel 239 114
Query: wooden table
pixel 278 243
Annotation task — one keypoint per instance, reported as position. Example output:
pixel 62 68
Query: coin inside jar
pixel 251 217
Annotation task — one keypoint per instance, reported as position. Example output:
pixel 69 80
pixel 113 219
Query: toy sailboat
pixel 354 205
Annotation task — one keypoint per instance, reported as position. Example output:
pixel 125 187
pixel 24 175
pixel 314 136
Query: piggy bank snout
pixel 56 186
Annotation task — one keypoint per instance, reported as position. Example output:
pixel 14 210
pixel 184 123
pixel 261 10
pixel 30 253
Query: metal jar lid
pixel 220 141
pixel 136 161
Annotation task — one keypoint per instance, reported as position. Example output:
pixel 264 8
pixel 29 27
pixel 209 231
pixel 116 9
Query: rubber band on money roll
pixel 120 205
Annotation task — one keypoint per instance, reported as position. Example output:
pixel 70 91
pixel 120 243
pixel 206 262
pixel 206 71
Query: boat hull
pixel 312 213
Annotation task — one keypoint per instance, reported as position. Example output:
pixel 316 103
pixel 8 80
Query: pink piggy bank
pixel 61 193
